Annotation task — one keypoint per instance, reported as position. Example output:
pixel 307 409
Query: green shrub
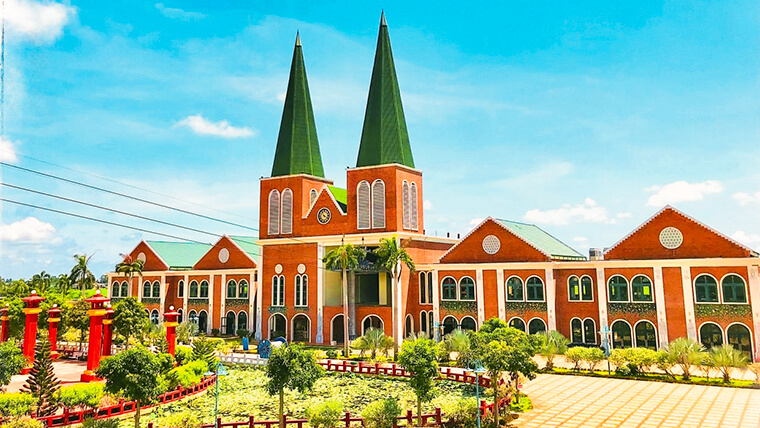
pixel 215 332
pixel 638 360
pixel 101 423
pixel 576 355
pixel 185 419
pixel 460 413
pixel 186 376
pixel 23 422
pixel 381 413
pixel 325 414
pixel 331 353
pixel 166 361
pixel 592 357
pixel 442 353
pixel 82 395
pixel 241 333
pixel 16 404
pixel 183 354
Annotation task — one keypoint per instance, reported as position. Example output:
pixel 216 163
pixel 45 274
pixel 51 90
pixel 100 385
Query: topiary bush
pixel 576 355
pixel 241 333
pixel 186 376
pixel 83 395
pixel 459 413
pixel 382 413
pixel 325 414
pixel 183 354
pixel 15 404
pixel 331 354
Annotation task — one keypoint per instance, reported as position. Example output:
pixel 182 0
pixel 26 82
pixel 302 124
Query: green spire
pixel 297 145
pixel 384 136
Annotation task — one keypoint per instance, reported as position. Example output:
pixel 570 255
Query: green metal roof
pixel 179 255
pixel 297 149
pixel 543 241
pixel 248 244
pixel 340 195
pixel 384 137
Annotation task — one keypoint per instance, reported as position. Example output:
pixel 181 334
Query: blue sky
pixel 582 117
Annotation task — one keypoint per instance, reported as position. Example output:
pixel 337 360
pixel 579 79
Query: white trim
pixel 500 291
pixel 718 291
pixel 720 288
pixel 209 322
pixel 237 320
pixel 523 321
pixel 382 322
pixel 369 205
pixel 473 320
pixel 475 286
pixel 659 302
pixel 571 331
pixel 753 274
pixel 688 302
pixel 633 333
pixel 583 330
pixel 210 300
pixel 320 296
pixel 411 331
pixel 503 227
pixel 479 296
pixel 269 325
pixel 386 165
pixel 627 287
pixel 223 302
pixel 749 330
pixel 550 295
pixel 293 324
pixel 443 322
pixel 506 290
pixel 155 253
pixel 593 264
pixel 332 332
pixel 424 315
pixel 309 176
pixel 543 288
pixel 651 283
pixel 633 337
pixel 546 327
pixel 227 286
pixel 187 292
pixel 722 332
pixel 250 257
pixel 436 303
pixel 252 289
pixel 329 193
pixel 456 289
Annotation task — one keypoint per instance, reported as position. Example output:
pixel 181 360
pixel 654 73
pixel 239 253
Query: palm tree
pixel 685 352
pixel 552 343
pixel 63 283
pixel 375 339
pixel 129 267
pixel 346 257
pixel 392 257
pixel 41 282
pixel 725 358
pixel 80 273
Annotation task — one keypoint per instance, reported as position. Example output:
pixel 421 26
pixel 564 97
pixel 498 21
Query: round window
pixel 224 255
pixel 671 238
pixel 491 244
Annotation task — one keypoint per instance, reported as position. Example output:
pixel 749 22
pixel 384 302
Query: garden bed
pixel 656 377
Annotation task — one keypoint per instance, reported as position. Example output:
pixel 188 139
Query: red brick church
pixel 670 277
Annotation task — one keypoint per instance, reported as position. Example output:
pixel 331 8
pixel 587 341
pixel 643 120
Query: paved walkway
pixel 67 371
pixel 577 401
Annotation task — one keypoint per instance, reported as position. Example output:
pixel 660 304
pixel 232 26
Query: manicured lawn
pixel 656 377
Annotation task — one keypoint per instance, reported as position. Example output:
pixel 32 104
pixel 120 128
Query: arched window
pixel 641 289
pixel 449 324
pixel 589 331
pixel 405 205
pixel 430 287
pixel 378 204
pixel 313 197
pixel 449 289
pixel 156 289
pixel 124 289
pixel 301 328
pixel 423 288
pixel 621 335
pixel 536 325
pixel 204 289
pixel 277 326
pixel 287 212
pixel 337 333
pixel 243 289
pixel 618 289
pixel 413 216
pixel 372 321
pixel 517 323
pixel 535 288
pixel 515 289
pixel 154 317
pixel 587 288
pixel 146 289
pixel 181 289
pixel 576 330
pixel 193 317
pixel 424 323
pixel 242 321
pixel 181 315
pixel 362 205
pixel 231 289
pixel 466 288
pixel 115 289
pixel 468 323
pixel 645 335
pixel 302 290
pixel 203 322
pixel 229 325
pixel 733 289
pixel 274 213
pixel 710 335
pixel 193 289
pixel 574 288
pixel 739 338
pixel 706 288
pixel 278 290
pixel 408 326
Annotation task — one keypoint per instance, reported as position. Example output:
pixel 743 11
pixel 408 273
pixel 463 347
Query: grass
pixel 521 406
pixel 656 377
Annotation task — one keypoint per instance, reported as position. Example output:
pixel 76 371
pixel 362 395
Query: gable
pixel 153 261
pixel 698 240
pixel 511 247
pixel 179 255
pixel 233 258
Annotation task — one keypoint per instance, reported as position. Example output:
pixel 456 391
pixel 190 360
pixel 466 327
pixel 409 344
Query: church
pixel 672 276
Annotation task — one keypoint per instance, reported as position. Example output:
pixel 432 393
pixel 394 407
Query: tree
pixel 392 257
pixel 291 367
pixel 685 353
pixel 418 357
pixel 41 282
pixel 63 284
pixel 129 267
pixel 552 343
pixel 133 374
pixel 129 317
pixel 12 361
pixel 346 257
pixel 725 358
pixel 42 382
pixel 75 316
pixel 203 350
pixel 80 273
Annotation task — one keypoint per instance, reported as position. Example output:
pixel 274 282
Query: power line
pixel 100 189
pixel 100 221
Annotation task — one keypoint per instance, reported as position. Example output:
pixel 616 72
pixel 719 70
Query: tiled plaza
pixel 576 401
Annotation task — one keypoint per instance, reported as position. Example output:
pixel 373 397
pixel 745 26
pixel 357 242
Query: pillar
pixel 97 312
pixel 170 322
pixel 32 311
pixel 5 334
pixel 107 331
pixel 54 317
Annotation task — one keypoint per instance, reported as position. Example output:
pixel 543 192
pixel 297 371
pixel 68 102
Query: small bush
pixel 23 422
pixel 241 333
pixel 15 404
pixel 166 361
pixel 186 376
pixel 638 360
pixel 382 413
pixel 101 423
pixel 325 414
pixel 460 413
pixel 442 353
pixel 183 354
pixel 576 355
pixel 215 332
pixel 185 419
pixel 623 370
pixel 592 357
pixel 331 353
pixel 83 395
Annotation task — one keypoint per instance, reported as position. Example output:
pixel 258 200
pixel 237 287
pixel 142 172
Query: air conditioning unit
pixel 595 254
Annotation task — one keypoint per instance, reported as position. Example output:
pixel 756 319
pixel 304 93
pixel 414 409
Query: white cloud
pixel 582 239
pixel 203 126
pixel 476 221
pixel 427 205
pixel 681 191
pixel 751 240
pixel 40 21
pixel 623 215
pixel 7 151
pixel 175 13
pixel 587 212
pixel 744 198
pixel 29 229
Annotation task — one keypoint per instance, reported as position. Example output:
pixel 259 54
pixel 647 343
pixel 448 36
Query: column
pixel 108 331
pixel 162 292
pixel 259 303
pixel 601 297
pixel 436 304
pixel 551 299
pixel 754 295
pixel 54 317
pixel 186 286
pixel 320 294
pixel 251 289
pixel 5 334
pixel 170 322
pixel 659 300
pixel 500 294
pixel 210 324
pixel 95 345
pixel 31 311
pixel 223 307
pixel 480 296
pixel 688 303
pixel 351 284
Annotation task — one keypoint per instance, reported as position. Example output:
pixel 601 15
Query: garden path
pixel 67 371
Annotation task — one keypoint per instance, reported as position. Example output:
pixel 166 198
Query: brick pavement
pixel 576 401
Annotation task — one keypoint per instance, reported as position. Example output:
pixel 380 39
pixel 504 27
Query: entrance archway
pixel 336 329
pixel 301 329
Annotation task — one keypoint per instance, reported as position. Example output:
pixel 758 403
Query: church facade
pixel 670 277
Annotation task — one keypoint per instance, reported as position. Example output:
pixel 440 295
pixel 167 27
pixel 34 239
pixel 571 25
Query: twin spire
pixel 384 137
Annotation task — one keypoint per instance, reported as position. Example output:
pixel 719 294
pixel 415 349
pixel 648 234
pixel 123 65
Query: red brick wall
pixel 513 249
pixel 152 261
pixel 491 294
pixel 238 259
pixel 567 310
pixel 674 305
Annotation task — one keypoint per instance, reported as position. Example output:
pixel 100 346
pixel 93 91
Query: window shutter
pixel 413 207
pixel 362 205
pixel 287 211
pixel 312 197
pixel 378 204
pixel 274 213
pixel 405 204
